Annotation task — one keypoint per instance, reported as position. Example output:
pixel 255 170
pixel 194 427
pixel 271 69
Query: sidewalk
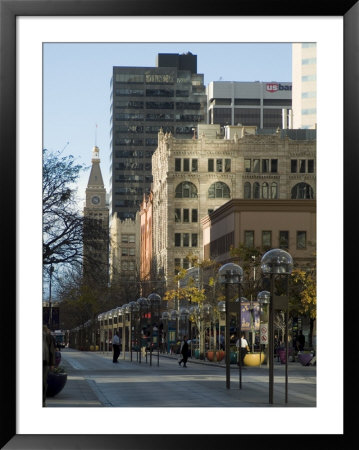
pixel 80 390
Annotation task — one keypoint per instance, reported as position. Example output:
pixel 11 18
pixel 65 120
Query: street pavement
pixel 95 381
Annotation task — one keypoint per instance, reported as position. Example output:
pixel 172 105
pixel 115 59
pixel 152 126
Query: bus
pixel 59 336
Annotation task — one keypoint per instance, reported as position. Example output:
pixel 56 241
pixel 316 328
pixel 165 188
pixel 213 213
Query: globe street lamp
pixel 263 298
pixel 277 263
pixel 165 319
pixel 231 274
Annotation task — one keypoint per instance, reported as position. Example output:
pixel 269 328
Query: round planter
pixel 220 355
pixel 254 359
pixel 92 348
pixel 97 348
pixel 55 383
pixel 196 353
pixel 210 355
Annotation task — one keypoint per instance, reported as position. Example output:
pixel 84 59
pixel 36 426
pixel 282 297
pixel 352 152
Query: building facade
pixel 262 104
pixel 144 99
pixel 282 223
pixel 304 75
pixel 192 178
pixel 96 229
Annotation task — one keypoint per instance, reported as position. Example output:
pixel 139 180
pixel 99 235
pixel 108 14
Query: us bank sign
pixel 275 87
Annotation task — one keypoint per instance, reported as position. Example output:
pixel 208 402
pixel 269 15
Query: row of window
pixel 186 215
pixel 133 178
pixel 189 190
pixel 160 117
pixel 132 104
pixel 265 191
pixel 128 265
pixel 133 154
pixel 128 238
pixel 186 239
pixel 302 165
pixel 152 129
pixel 131 165
pixel 265 165
pixel 125 251
pixel 191 165
pixel 283 239
pixel 137 92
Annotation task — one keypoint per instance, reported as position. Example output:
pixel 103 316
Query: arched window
pixel 274 190
pixel 219 190
pixel 256 190
pixel 186 190
pixel 265 190
pixel 247 190
pixel 302 191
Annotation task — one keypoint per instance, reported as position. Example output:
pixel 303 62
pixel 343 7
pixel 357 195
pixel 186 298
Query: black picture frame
pixel 9 10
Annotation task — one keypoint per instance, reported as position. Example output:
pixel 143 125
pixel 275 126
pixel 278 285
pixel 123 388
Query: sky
pixel 76 87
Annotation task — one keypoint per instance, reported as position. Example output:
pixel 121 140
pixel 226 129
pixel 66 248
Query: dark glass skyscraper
pixel 170 96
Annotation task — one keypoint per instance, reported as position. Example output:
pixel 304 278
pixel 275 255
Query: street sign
pixel 264 333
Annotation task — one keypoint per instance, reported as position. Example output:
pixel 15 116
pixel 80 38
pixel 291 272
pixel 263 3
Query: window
pixel 247 165
pixel 256 190
pixel 265 165
pixel 249 239
pixel 218 190
pixel 185 263
pixel 131 265
pixel 256 165
pixel 247 190
pixel 177 239
pixel 124 238
pixel 194 165
pixel 302 166
pixel 310 165
pixel 194 239
pixel 186 215
pixel 194 215
pixel 302 191
pixel 266 239
pixel 185 239
pixel 124 251
pixel 177 215
pixel 265 190
pixel 274 165
pixel 186 165
pixel 186 190
pixel 227 165
pixel 274 190
pixel 178 164
pixel 132 251
pixel 131 239
pixel 301 240
pixel 293 165
pixel 284 239
pixel 211 165
pixel 219 165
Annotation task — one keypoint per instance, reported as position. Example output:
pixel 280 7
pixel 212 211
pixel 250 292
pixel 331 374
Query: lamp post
pixel 133 307
pixel 50 299
pixel 231 274
pixel 263 299
pixel 277 263
pixel 165 319
pixel 155 304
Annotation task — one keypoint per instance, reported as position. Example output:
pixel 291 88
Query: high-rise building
pixel 262 104
pixel 96 231
pixel 304 77
pixel 170 96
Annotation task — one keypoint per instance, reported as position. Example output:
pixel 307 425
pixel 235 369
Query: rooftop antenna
pixel 96 136
pixel 67 143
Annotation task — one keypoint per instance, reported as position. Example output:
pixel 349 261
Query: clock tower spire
pixel 96 238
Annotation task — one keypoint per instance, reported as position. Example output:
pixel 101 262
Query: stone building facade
pixel 192 178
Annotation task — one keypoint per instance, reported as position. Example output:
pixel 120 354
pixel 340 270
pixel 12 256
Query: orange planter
pixel 219 355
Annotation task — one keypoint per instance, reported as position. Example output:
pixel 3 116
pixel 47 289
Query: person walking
pixel 115 347
pixel 184 352
pixel 48 359
pixel 243 348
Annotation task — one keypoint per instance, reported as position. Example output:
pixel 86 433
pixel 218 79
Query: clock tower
pixel 96 229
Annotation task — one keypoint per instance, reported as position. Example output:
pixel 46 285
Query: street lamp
pixel 165 319
pixel 133 308
pixel 50 303
pixel 263 298
pixel 277 263
pixel 155 304
pixel 231 274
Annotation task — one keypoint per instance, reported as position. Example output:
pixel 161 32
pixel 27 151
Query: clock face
pixel 95 200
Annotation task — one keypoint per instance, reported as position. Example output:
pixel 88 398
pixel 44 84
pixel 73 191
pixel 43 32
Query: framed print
pixel 26 28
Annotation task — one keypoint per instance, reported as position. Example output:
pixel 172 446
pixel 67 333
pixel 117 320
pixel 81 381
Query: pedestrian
pixel 48 359
pixel 184 352
pixel 301 341
pixel 221 341
pixel 163 342
pixel 244 348
pixel 115 347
